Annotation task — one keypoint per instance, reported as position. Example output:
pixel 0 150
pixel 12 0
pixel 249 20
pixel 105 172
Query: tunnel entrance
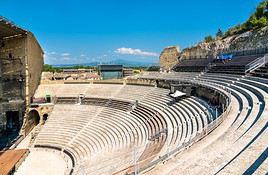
pixel 32 121
pixel 34 118
pixel 12 122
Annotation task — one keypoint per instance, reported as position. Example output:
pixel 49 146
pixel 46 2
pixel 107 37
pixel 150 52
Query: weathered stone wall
pixel 12 67
pixel 21 61
pixel 13 45
pixel 169 57
pixel 250 40
pixel 12 76
pixel 34 66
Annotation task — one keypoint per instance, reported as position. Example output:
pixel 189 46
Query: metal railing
pixel 256 63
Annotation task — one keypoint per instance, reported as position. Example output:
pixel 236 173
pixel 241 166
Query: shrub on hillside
pixel 208 39
pixel 257 20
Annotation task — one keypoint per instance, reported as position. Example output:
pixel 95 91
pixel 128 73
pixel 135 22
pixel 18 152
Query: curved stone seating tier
pixel 192 65
pixel 171 75
pixel 195 121
pixel 86 130
pixel 158 134
pixel 132 92
pixel 203 112
pixel 125 129
pixel 61 90
pixel 194 112
pixel 112 162
pixel 250 92
pixel 257 79
pixel 108 127
pixel 241 145
pixel 155 121
pixel 210 111
pixel 108 123
pixel 187 119
pixel 101 125
pixel 133 127
pixel 103 90
pixel 180 130
pixel 255 95
pixel 116 104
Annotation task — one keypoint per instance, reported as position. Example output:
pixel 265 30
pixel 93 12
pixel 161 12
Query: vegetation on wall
pixel 209 39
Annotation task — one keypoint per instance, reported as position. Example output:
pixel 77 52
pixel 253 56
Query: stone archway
pixel 69 77
pixel 34 117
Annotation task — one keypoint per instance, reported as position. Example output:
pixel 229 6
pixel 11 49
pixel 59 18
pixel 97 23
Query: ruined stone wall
pixel 12 59
pixel 12 54
pixel 12 76
pixel 169 57
pixel 21 61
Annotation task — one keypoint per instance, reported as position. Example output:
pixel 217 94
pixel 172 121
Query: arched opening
pixel 45 117
pixel 34 117
pixel 69 77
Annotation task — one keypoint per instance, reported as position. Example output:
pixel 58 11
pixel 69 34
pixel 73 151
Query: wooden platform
pixel 10 159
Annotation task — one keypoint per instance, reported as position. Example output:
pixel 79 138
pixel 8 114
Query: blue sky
pixel 81 31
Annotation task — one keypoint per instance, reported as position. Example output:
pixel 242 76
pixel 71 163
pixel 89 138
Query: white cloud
pixel 55 58
pixel 50 53
pixel 83 55
pixel 131 51
pixel 65 54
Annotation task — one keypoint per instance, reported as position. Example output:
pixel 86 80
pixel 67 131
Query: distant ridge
pixel 119 61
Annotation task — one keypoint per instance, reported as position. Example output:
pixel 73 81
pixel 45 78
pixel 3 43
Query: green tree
pixel 260 10
pixel 219 34
pixel 227 34
pixel 266 10
pixel 251 23
pixel 49 68
pixel 257 20
pixel 208 39
pixel 262 22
